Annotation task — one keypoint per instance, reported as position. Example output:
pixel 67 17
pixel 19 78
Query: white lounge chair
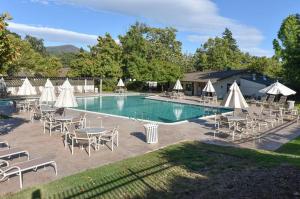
pixel 21 167
pixel 8 153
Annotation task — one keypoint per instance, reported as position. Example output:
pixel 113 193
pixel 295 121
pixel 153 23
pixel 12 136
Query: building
pixel 250 83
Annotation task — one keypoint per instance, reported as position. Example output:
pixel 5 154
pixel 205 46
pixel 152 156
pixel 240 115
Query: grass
pixel 172 172
pixel 292 147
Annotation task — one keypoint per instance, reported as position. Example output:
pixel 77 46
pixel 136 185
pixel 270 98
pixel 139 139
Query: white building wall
pixel 221 85
pixel 250 88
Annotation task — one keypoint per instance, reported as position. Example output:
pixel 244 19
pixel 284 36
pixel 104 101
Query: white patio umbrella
pixel 235 98
pixel 26 88
pixel 120 83
pixel 209 88
pixel 48 93
pixel 66 97
pixel 177 86
pixel 277 89
pixel 2 85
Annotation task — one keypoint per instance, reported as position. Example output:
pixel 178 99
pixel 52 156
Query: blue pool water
pixel 141 108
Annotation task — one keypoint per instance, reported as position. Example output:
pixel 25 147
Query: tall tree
pixel 8 52
pixel 147 50
pixel 227 35
pixel 287 48
pixel 36 44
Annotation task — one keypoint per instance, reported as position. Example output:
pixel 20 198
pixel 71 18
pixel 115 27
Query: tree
pixel 227 35
pixel 8 52
pixel 151 54
pixel 36 44
pixel 287 48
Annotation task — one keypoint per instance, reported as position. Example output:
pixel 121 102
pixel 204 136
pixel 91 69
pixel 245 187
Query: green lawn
pixel 184 170
pixel 292 147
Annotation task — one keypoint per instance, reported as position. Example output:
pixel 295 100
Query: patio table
pixel 94 132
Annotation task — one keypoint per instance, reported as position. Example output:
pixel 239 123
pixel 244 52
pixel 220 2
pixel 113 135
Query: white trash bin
pixel 291 104
pixel 151 133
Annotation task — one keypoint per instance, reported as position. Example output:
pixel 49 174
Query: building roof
pixel 214 76
pixel 260 79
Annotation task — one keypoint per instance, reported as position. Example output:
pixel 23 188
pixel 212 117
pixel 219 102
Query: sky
pixel 254 23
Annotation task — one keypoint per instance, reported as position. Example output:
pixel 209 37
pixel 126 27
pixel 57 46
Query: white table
pixel 93 132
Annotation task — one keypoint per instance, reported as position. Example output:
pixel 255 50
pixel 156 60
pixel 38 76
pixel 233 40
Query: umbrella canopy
pixel 178 85
pixel 2 85
pixel 66 98
pixel 209 87
pixel 26 88
pixel 276 89
pixel 235 99
pixel 120 83
pixel 48 93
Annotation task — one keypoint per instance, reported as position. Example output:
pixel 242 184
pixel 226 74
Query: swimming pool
pixel 142 108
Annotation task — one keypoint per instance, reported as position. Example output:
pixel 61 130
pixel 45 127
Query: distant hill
pixel 56 50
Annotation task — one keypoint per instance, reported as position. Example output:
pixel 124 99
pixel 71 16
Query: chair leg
pixel 21 180
pixel 72 148
pixel 112 144
pixel 89 149
pixel 117 139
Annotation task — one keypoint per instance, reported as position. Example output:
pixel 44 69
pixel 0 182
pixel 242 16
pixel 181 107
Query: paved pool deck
pixel 20 132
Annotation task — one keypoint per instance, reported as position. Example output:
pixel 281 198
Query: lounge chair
pixel 22 167
pixel 262 100
pixel 112 137
pixel 7 153
pixel 282 100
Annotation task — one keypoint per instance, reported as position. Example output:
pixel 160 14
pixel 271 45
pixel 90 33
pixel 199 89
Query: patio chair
pixel 262 100
pixel 270 99
pixel 80 120
pixel 22 167
pixel 112 137
pixel 8 153
pixel 82 139
pixel 247 126
pixel 36 114
pixel 282 100
pixel 51 124
pixel 222 125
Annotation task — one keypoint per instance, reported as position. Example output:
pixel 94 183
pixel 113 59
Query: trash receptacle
pixel 151 133
pixel 291 104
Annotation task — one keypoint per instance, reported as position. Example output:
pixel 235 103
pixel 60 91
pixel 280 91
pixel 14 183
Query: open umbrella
pixel 48 93
pixel 178 86
pixel 235 98
pixel 120 83
pixel 277 89
pixel 26 88
pixel 66 97
pixel 209 88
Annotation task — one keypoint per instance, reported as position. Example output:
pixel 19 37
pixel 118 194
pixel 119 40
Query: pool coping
pixel 151 121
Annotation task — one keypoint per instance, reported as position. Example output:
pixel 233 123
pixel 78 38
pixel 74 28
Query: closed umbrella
pixel 2 85
pixel 235 98
pixel 120 83
pixel 178 86
pixel 209 88
pixel 66 97
pixel 26 88
pixel 277 89
pixel 48 93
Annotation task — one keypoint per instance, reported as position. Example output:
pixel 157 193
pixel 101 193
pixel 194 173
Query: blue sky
pixel 254 23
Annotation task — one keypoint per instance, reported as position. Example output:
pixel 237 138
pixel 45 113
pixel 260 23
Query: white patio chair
pixel 51 124
pixel 112 137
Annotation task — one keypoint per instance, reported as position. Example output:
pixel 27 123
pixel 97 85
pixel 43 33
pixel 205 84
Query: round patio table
pixel 94 132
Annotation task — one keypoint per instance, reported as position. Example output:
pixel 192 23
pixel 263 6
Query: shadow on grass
pixel 187 170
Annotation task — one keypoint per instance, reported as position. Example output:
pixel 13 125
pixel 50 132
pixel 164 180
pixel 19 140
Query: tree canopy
pixel 287 48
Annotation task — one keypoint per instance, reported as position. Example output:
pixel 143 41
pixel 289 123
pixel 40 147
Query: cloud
pixel 53 34
pixel 200 18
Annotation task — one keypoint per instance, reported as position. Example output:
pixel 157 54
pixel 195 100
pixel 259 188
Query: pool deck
pixel 20 132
